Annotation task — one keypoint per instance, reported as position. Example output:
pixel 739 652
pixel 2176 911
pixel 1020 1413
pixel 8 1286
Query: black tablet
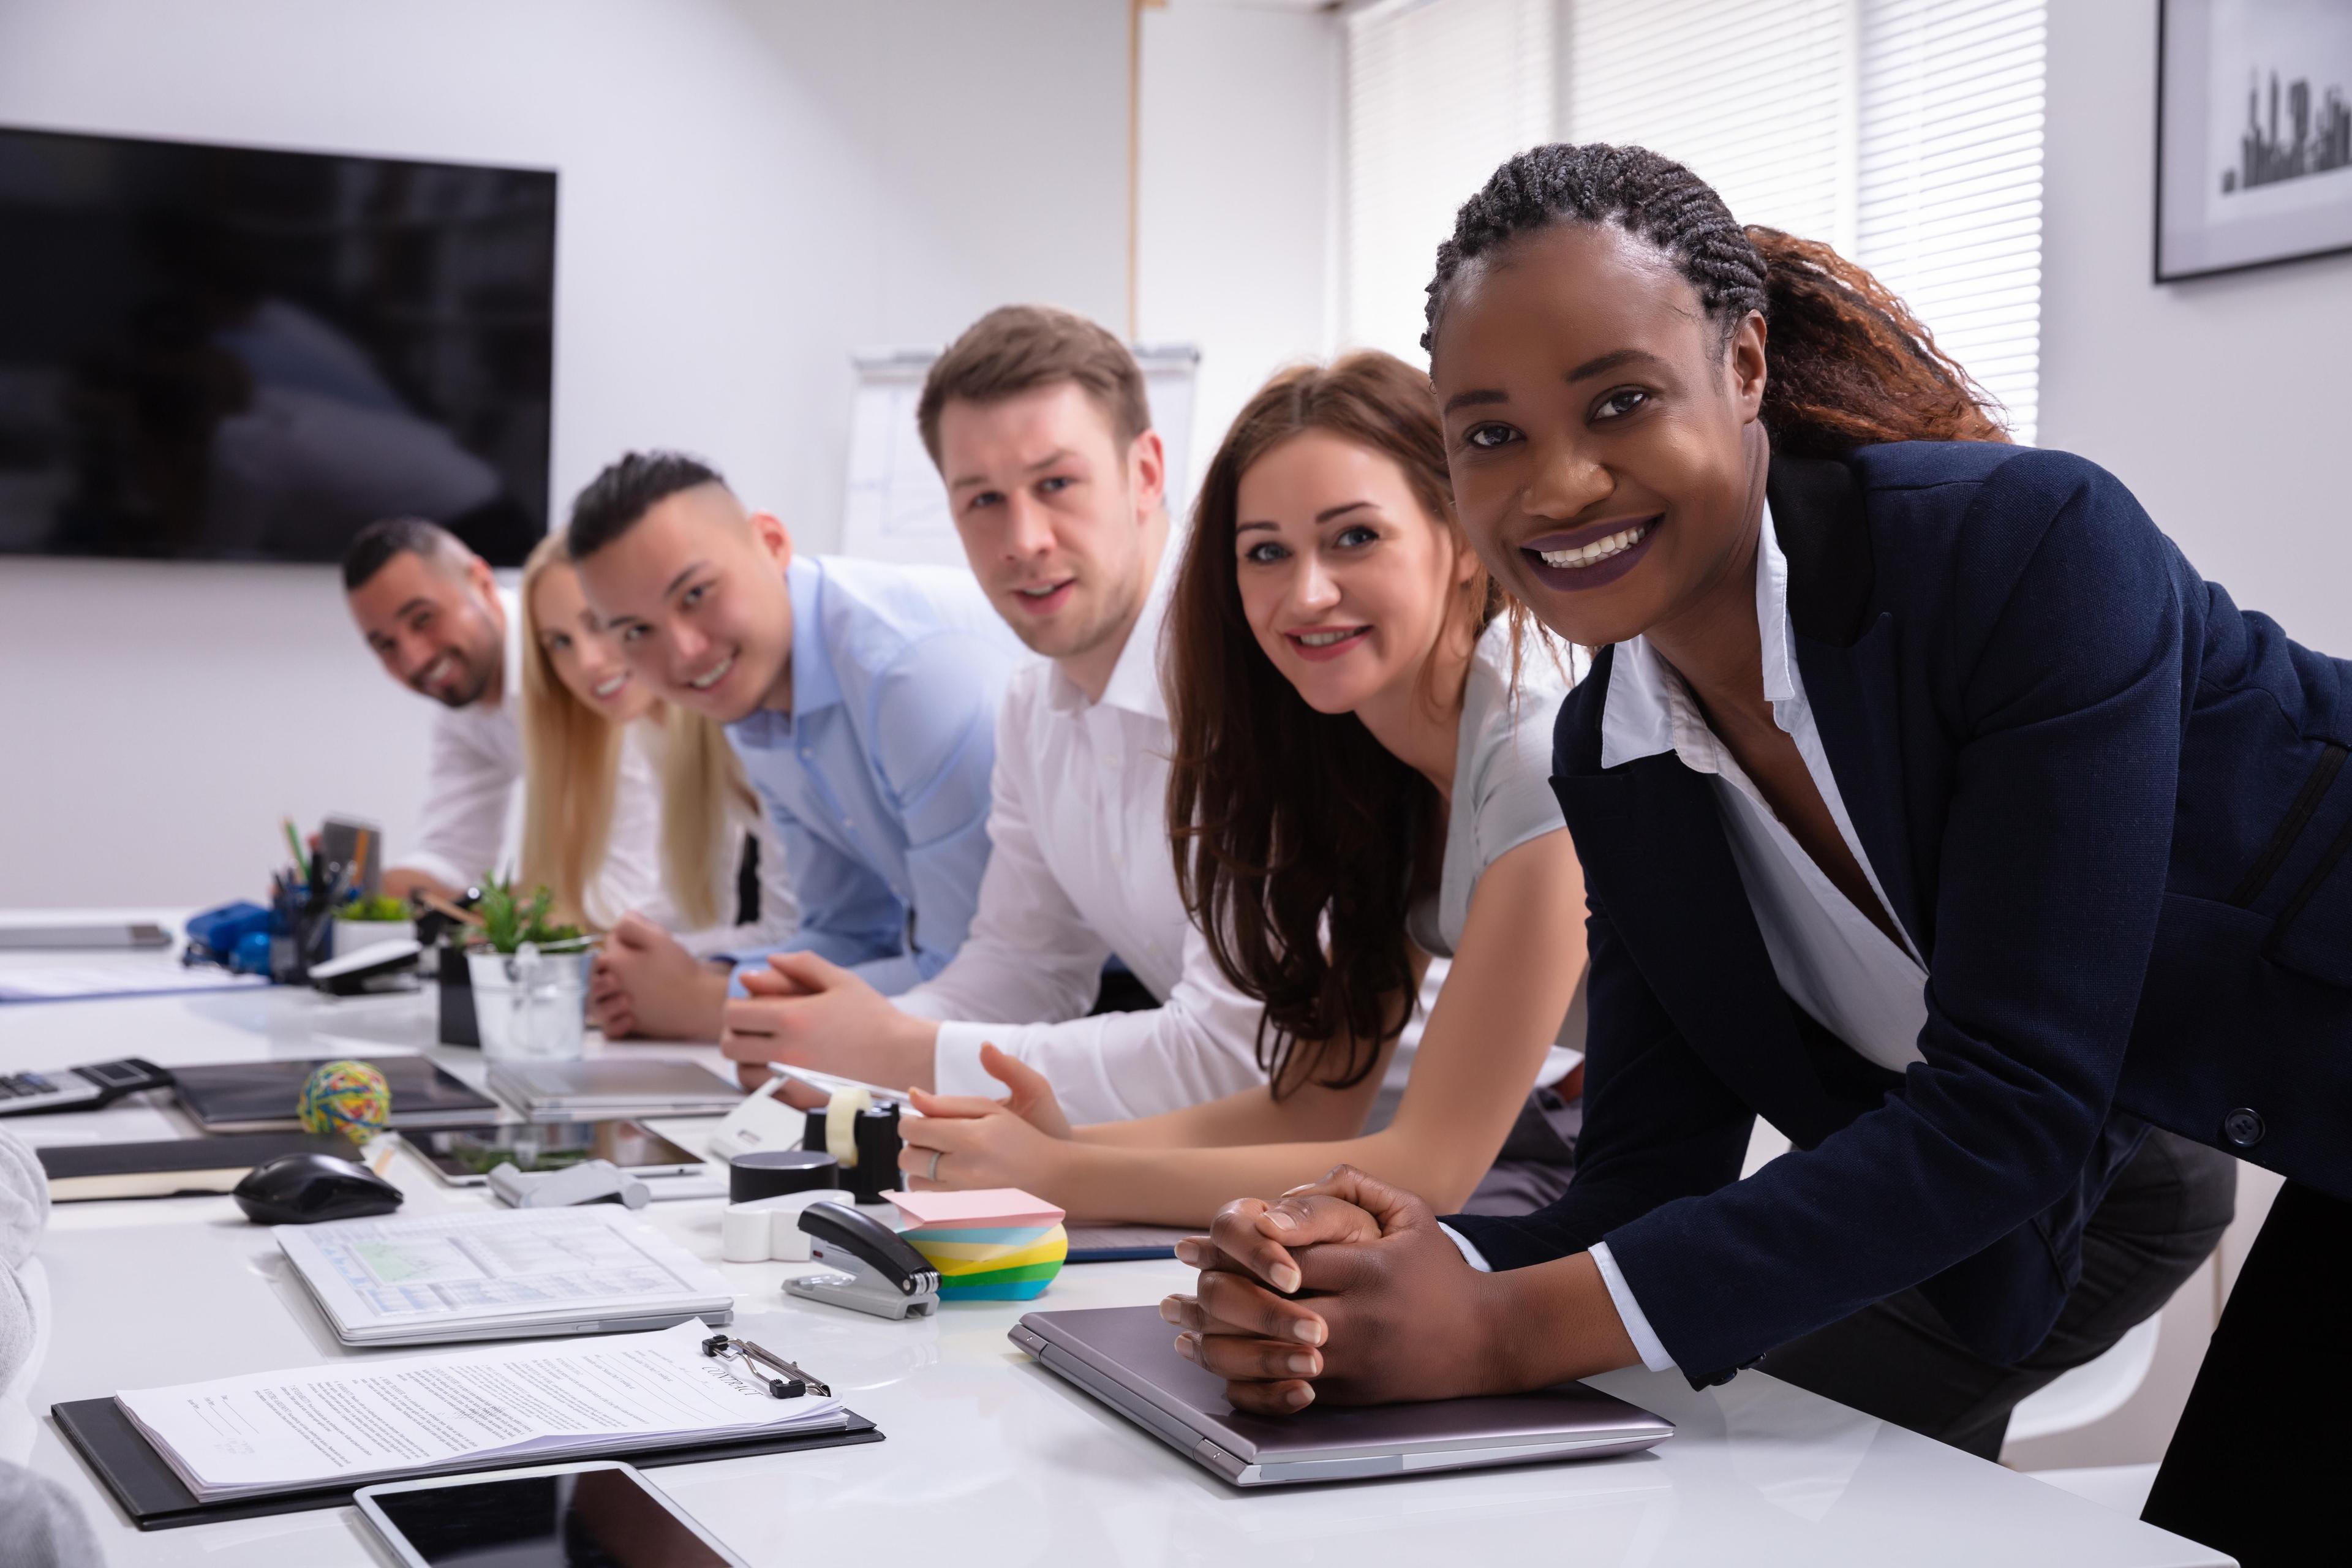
pixel 465 1156
pixel 599 1514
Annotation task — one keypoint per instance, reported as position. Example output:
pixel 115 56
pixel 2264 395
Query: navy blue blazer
pixel 2111 810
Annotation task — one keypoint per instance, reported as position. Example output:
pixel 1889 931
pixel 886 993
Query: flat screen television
pixel 216 353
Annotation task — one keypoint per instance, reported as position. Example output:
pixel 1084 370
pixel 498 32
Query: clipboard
pixel 146 1491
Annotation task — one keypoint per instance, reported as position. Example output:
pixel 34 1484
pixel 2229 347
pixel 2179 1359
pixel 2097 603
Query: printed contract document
pixel 428 1279
pixel 368 1420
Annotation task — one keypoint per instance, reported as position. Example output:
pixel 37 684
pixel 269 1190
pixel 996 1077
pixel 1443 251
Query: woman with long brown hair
pixel 1359 787
pixel 630 807
pixel 1935 811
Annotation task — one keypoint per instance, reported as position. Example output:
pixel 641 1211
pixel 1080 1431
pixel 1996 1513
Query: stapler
pixel 589 1182
pixel 886 1276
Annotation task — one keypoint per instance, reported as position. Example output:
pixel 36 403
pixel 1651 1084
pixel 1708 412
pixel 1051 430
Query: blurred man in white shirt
pixel 1038 422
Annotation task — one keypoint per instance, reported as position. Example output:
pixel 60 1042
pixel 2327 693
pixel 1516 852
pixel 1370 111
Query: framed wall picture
pixel 2253 134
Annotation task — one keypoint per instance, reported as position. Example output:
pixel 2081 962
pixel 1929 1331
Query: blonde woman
pixel 633 810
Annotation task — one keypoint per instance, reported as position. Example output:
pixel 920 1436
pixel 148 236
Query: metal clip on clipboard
pixel 739 1354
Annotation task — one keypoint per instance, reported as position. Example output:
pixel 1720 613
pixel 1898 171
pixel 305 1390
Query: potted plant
pixel 364 922
pixel 530 977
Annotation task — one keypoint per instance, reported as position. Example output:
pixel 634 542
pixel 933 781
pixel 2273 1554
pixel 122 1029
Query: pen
pixel 294 839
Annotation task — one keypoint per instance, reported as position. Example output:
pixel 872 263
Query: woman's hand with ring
pixel 1022 1140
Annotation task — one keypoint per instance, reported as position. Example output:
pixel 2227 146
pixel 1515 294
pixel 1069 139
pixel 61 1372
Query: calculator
pixel 77 1089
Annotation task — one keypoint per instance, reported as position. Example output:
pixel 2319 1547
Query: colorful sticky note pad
pixel 995 1244
pixel 982 1207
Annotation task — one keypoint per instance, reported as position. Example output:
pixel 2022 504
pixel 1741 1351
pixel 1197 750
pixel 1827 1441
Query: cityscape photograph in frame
pixel 2254 135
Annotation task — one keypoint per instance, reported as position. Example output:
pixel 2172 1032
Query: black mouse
pixel 302 1189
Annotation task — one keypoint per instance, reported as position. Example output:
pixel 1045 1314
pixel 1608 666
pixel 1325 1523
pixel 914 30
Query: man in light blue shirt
pixel 861 697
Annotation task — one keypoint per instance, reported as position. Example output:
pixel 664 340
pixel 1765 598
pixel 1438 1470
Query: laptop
pixel 263 1096
pixel 603 1088
pixel 1126 1357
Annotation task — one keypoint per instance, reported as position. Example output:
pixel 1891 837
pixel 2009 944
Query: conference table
pixel 987 1458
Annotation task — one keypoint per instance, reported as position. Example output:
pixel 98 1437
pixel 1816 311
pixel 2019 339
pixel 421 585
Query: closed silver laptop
pixel 602 1087
pixel 1126 1357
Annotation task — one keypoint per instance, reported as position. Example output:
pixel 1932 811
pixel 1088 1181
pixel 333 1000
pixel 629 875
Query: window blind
pixel 1438 94
pixel 1908 133
pixel 1755 96
pixel 1949 180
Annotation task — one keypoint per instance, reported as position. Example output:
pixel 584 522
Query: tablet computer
pixel 464 1157
pixel 547 1516
pixel 1126 1357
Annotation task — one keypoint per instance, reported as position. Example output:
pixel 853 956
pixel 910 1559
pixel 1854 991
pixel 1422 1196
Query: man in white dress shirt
pixel 1039 424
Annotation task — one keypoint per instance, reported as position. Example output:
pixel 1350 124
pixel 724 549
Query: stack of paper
pixel 427 1278
pixel 361 1421
pixel 993 1244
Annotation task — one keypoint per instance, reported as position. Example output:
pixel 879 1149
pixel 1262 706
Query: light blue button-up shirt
pixel 879 779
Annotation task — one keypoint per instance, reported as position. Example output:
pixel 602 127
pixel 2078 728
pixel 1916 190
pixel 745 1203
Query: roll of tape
pixel 841 1124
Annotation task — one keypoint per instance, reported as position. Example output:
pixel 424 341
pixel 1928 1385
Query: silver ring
pixel 934 1174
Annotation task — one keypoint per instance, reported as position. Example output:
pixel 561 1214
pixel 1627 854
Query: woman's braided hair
pixel 1849 363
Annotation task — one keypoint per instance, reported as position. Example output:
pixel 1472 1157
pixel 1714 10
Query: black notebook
pixel 172 1167
pixel 144 1486
pixel 260 1096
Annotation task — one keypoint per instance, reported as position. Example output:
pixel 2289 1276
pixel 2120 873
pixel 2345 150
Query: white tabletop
pixel 987 1458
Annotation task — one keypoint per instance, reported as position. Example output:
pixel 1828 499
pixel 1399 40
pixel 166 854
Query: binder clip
pixel 883 1275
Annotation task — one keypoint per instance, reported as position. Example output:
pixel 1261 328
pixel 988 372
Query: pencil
pixel 294 841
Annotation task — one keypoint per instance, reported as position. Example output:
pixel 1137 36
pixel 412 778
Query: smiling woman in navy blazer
pixel 1932 807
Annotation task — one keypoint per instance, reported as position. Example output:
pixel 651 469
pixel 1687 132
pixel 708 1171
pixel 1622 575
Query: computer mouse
pixel 302 1189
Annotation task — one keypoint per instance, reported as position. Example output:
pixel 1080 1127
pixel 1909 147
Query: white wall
pixel 749 192
pixel 1240 180
pixel 2221 401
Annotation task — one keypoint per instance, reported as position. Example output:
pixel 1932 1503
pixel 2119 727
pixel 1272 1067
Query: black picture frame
pixel 2188 242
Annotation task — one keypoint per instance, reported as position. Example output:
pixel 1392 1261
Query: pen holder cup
pixel 529 1007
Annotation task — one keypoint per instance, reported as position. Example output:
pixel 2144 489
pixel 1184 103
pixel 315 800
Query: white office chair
pixel 2091 1391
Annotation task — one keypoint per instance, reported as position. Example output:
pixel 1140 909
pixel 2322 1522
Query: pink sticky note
pixel 982 1207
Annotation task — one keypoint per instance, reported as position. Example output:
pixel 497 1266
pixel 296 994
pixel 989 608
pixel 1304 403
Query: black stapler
pixel 883 1275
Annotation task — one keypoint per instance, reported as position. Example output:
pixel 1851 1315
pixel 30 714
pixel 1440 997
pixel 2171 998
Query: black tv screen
pixel 216 353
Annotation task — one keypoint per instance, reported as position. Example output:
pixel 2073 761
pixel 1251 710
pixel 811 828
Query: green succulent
pixel 382 907
pixel 509 921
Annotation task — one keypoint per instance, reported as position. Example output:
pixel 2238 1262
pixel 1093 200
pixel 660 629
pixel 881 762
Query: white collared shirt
pixel 1829 956
pixel 474 763
pixel 1079 869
